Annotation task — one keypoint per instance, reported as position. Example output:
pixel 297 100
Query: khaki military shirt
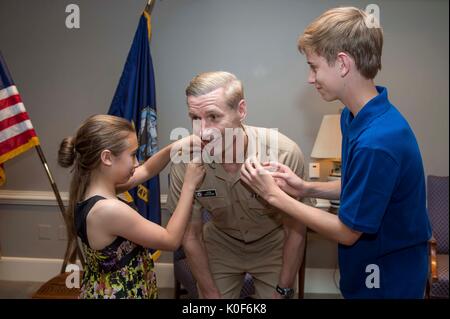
pixel 235 208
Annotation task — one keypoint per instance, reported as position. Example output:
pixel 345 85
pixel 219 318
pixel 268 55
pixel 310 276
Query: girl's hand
pixel 186 150
pixel 194 174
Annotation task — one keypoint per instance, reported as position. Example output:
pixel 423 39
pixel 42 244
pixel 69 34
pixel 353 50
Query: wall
pixel 66 75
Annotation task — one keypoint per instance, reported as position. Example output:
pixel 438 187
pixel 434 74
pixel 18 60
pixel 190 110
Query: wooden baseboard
pixel 317 280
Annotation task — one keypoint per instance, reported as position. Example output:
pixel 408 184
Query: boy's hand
pixel 259 179
pixel 286 179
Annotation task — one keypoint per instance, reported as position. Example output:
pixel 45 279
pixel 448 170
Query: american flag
pixel 17 134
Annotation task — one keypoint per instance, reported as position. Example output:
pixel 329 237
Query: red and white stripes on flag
pixel 17 134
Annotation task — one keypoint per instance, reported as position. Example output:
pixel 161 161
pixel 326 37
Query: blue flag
pixel 135 100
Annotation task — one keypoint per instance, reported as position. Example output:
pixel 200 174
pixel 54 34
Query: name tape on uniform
pixel 206 193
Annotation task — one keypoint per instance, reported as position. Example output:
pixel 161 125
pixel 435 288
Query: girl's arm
pixel 146 171
pixel 155 164
pixel 121 220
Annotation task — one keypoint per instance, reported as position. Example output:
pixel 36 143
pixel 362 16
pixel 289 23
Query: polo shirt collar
pixel 373 109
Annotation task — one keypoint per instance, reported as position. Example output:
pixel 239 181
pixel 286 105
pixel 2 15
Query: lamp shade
pixel 329 139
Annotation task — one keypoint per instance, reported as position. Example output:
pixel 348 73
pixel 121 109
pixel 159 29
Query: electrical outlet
pixel 314 170
pixel 44 232
pixel 62 233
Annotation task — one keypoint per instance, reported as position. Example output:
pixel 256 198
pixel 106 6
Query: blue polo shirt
pixel 382 196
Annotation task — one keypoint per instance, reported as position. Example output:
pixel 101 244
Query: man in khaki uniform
pixel 245 235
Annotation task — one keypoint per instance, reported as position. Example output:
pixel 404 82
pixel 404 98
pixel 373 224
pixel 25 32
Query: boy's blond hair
pixel 345 30
pixel 207 82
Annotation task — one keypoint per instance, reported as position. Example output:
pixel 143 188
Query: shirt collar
pixel 373 109
pixel 252 150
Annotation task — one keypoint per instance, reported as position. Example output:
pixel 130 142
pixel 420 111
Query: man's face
pixel 212 114
pixel 325 78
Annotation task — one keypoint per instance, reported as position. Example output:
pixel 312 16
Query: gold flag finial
pixel 149 6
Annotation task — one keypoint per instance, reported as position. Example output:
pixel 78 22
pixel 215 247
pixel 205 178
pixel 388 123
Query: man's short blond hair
pixel 207 82
pixel 345 30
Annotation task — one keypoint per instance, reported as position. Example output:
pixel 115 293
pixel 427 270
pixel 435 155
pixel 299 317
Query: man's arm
pixel 294 242
pixel 296 232
pixel 195 250
pixel 192 243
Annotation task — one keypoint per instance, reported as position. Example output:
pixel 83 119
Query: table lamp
pixel 328 146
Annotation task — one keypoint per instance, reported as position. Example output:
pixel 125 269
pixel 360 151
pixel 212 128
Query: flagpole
pixel 50 177
pixel 72 248
pixel 149 6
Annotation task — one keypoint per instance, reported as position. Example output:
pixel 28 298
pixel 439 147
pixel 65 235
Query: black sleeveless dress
pixel 120 270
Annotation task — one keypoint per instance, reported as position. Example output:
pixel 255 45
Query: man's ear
pixel 345 63
pixel 242 109
pixel 106 157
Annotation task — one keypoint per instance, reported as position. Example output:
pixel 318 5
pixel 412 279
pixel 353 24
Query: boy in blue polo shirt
pixel 382 226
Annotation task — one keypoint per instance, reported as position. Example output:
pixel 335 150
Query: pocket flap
pixel 213 203
pixel 256 203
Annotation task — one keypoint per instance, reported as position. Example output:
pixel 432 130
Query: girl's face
pixel 126 162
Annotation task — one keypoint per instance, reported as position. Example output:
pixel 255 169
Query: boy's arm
pixel 324 223
pixel 325 190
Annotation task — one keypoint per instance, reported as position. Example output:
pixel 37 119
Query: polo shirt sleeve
pixel 176 178
pixel 371 176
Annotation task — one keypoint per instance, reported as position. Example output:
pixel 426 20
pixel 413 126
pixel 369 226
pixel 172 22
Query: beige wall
pixel 65 75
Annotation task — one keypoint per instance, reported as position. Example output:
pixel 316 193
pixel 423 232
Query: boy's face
pixel 325 78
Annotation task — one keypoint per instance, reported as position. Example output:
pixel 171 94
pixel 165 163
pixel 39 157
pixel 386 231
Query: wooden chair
pixel 56 288
pixel 437 200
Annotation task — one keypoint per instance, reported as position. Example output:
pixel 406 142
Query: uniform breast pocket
pixel 260 206
pixel 217 206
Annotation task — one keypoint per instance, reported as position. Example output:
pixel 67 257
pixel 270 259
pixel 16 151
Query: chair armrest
pixel 433 259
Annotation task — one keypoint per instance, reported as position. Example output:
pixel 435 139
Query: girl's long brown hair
pixel 82 152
